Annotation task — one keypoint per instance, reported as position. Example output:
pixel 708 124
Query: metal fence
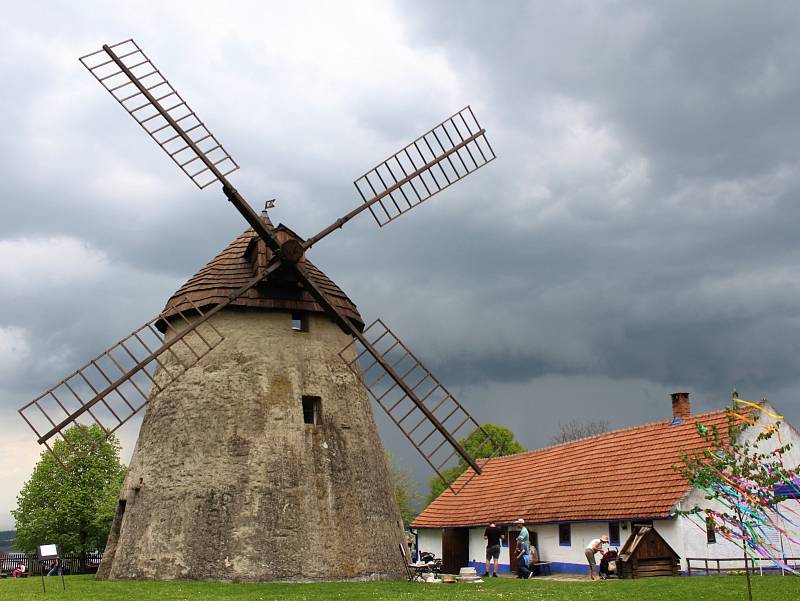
pixel 722 565
pixel 70 564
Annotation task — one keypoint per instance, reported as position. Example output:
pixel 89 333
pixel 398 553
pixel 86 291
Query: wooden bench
pixel 544 566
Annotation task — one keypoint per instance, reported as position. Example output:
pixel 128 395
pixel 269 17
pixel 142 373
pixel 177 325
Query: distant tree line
pixel 576 429
pixel 7 538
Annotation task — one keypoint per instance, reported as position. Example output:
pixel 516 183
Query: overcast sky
pixel 636 236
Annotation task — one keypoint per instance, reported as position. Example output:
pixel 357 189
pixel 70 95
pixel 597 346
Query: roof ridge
pixel 611 432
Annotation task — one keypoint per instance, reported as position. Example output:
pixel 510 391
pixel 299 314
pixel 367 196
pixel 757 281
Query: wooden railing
pixel 70 564
pixel 721 565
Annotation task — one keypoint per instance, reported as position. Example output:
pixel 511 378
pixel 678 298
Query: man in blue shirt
pixel 523 561
pixel 523 535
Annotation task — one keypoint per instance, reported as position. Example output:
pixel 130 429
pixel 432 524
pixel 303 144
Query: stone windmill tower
pixel 258 456
pixel 269 456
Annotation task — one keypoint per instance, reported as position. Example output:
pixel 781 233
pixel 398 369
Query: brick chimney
pixel 680 405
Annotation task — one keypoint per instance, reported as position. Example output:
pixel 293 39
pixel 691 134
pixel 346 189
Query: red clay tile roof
pixel 624 474
pixel 235 265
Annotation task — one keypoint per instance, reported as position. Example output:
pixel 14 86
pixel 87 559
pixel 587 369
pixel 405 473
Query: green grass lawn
pixel 713 588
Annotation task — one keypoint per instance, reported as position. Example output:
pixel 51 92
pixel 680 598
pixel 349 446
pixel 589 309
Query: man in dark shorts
pixel 493 536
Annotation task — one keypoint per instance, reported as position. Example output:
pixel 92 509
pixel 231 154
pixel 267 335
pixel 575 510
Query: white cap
pixel 519 521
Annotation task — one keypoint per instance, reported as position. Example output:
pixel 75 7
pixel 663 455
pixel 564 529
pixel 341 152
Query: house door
pixel 512 550
pixel 512 547
pixel 455 549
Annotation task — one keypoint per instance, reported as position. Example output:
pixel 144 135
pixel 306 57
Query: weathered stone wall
pixel 227 482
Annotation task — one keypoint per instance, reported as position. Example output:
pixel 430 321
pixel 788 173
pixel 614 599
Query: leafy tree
pixel 740 480
pixel 71 505
pixel 405 489
pixel 502 439
pixel 576 429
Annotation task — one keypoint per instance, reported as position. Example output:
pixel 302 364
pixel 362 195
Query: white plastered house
pixel 571 493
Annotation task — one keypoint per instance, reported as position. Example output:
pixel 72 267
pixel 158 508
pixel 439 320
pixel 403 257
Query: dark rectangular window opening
pixel 565 535
pixel 613 533
pixel 711 534
pixel 299 321
pixel 312 410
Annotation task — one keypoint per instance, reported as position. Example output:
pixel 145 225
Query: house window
pixel 564 535
pixel 299 321
pixel 711 530
pixel 312 410
pixel 613 533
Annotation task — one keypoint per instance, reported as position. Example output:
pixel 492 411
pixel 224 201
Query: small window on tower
pixel 312 410
pixel 299 321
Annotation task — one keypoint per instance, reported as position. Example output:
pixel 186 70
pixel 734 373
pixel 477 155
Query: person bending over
pixel 596 546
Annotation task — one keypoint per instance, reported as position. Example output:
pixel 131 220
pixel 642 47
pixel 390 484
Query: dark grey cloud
pixel 705 95
pixel 637 234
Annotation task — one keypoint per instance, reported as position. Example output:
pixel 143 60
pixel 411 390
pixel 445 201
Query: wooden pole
pixel 747 573
pixel 744 553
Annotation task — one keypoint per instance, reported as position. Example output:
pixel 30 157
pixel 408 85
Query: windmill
pixel 258 457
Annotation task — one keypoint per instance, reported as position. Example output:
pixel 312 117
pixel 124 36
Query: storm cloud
pixel 636 235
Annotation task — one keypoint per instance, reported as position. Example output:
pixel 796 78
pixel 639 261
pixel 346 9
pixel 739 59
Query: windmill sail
pixel 130 76
pixel 404 408
pixel 437 159
pixel 114 386
pixel 444 436
pixel 132 79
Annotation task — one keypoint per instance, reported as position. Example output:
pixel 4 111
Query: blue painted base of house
pixel 556 567
pixel 561 567
pixel 501 568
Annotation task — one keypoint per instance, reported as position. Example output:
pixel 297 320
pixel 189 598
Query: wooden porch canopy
pixel 646 554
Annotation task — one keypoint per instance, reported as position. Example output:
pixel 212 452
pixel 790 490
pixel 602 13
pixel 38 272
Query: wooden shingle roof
pixel 619 475
pixel 240 262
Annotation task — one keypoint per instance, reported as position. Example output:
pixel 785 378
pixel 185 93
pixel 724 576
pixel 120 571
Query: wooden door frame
pixel 512 547
pixel 512 550
pixel 455 549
